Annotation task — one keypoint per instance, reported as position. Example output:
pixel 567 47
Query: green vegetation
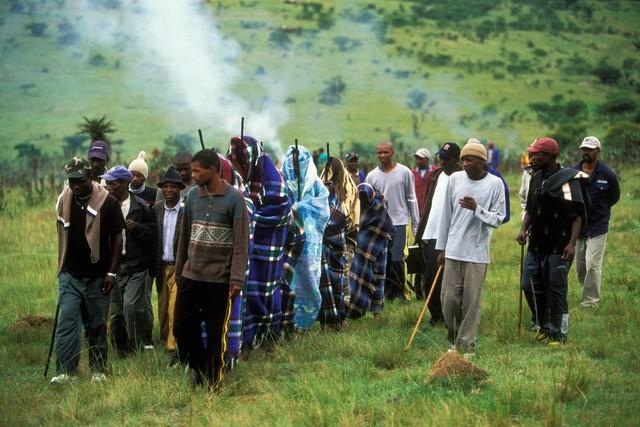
pixel 358 377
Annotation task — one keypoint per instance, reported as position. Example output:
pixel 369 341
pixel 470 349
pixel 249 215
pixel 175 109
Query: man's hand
pixel 440 258
pixel 569 252
pixel 468 202
pixel 522 237
pixel 130 224
pixel 234 290
pixel 107 285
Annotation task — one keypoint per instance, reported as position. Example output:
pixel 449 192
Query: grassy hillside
pixel 351 72
pixel 358 377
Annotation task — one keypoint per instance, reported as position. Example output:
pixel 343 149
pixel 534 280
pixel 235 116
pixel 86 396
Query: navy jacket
pixel 604 192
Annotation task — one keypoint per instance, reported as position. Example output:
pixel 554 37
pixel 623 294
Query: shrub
pixel 280 38
pixel 623 141
pixel 417 99
pixel 37 29
pixel 608 74
pixel 332 93
pixel 618 104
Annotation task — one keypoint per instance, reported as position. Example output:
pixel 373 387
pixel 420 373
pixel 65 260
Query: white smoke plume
pixel 202 67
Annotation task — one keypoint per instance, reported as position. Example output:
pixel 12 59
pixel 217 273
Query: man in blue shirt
pixel 604 192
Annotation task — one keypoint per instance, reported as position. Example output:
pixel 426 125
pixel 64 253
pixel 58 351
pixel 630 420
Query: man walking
pixel 553 219
pixel 211 262
pixel 89 244
pixel 474 205
pixel 604 192
pixel 395 182
pixel 435 191
pixel 168 215
pixel 129 297
pixel 420 174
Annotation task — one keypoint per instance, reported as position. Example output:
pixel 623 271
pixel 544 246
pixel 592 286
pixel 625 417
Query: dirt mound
pixel 453 366
pixel 30 322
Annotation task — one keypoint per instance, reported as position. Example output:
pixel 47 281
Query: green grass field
pixel 358 377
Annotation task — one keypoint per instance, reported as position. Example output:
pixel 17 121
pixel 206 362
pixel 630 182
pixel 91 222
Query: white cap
pixel 590 142
pixel 423 153
pixel 139 165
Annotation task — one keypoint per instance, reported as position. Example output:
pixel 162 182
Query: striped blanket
pixel 332 310
pixel 368 269
pixel 266 187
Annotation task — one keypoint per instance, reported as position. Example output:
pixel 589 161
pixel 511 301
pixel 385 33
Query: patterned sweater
pixel 214 237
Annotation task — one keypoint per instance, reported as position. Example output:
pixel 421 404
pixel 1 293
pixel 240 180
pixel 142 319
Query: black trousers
pixel 545 285
pixel 431 267
pixel 198 302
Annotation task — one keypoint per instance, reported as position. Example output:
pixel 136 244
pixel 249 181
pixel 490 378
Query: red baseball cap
pixel 544 145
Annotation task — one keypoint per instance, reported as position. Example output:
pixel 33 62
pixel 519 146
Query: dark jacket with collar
pixel 141 241
pixel 604 192
pixel 158 212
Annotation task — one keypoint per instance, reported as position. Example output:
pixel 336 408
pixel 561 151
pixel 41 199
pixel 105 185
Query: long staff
pixel 424 309
pixel 201 139
pixel 53 337
pixel 521 291
pixel 296 168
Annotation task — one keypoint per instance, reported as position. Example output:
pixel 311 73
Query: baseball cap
pixel 352 155
pixel 449 150
pixel 98 149
pixel 590 142
pixel 117 173
pixel 544 145
pixel 423 153
pixel 77 168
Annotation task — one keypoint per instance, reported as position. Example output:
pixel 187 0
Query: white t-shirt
pixel 465 235
pixel 398 188
pixel 125 211
pixel 435 214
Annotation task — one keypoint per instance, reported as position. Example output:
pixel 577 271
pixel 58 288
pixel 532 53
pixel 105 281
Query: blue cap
pixel 117 173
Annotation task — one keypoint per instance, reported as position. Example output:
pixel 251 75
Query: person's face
pixel 352 165
pixel 118 188
pixel 80 187
pixel 473 166
pixel 137 179
pixel 590 155
pixel 201 175
pixel 171 192
pixel 185 171
pixel 384 152
pixel 98 167
pixel 421 162
pixel 539 160
pixel 447 162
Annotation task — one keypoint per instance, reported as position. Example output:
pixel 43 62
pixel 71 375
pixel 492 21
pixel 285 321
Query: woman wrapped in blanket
pixel 342 206
pixel 368 269
pixel 312 208
pixel 265 187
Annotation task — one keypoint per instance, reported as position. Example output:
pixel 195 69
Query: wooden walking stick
pixel 53 338
pixel 424 309
pixel 201 140
pixel 520 286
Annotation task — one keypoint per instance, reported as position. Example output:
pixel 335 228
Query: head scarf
pixel 344 187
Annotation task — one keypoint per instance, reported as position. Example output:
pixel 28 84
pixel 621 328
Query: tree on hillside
pixel 97 128
pixel 332 93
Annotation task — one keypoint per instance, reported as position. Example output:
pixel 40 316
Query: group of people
pixel 244 253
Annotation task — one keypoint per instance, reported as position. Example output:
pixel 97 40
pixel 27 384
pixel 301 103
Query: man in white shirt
pixel 395 182
pixel 474 205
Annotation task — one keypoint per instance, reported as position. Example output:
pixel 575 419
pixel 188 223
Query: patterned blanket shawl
pixel 332 310
pixel 368 269
pixel 266 188
pixel 313 209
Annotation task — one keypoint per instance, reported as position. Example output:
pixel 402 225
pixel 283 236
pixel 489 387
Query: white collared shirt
pixel 169 231
pixel 125 206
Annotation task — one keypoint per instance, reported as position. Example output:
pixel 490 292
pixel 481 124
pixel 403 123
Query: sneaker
pixel 147 347
pixel 62 379
pixel 452 349
pixel 468 356
pixel 98 377
pixel 541 336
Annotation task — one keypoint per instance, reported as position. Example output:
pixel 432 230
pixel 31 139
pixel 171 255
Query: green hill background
pixel 346 72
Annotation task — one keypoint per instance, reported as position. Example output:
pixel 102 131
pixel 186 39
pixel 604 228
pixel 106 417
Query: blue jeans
pixel 81 301
pixel 545 285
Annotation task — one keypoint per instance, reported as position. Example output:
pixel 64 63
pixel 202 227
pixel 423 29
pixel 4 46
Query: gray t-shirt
pixel 398 188
pixel 464 234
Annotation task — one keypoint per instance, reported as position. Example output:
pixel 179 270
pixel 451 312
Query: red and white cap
pixel 590 142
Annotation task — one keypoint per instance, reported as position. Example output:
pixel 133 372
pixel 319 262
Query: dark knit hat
pixel 171 176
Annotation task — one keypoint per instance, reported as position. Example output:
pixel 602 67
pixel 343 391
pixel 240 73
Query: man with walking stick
pixel 89 244
pixel 474 205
